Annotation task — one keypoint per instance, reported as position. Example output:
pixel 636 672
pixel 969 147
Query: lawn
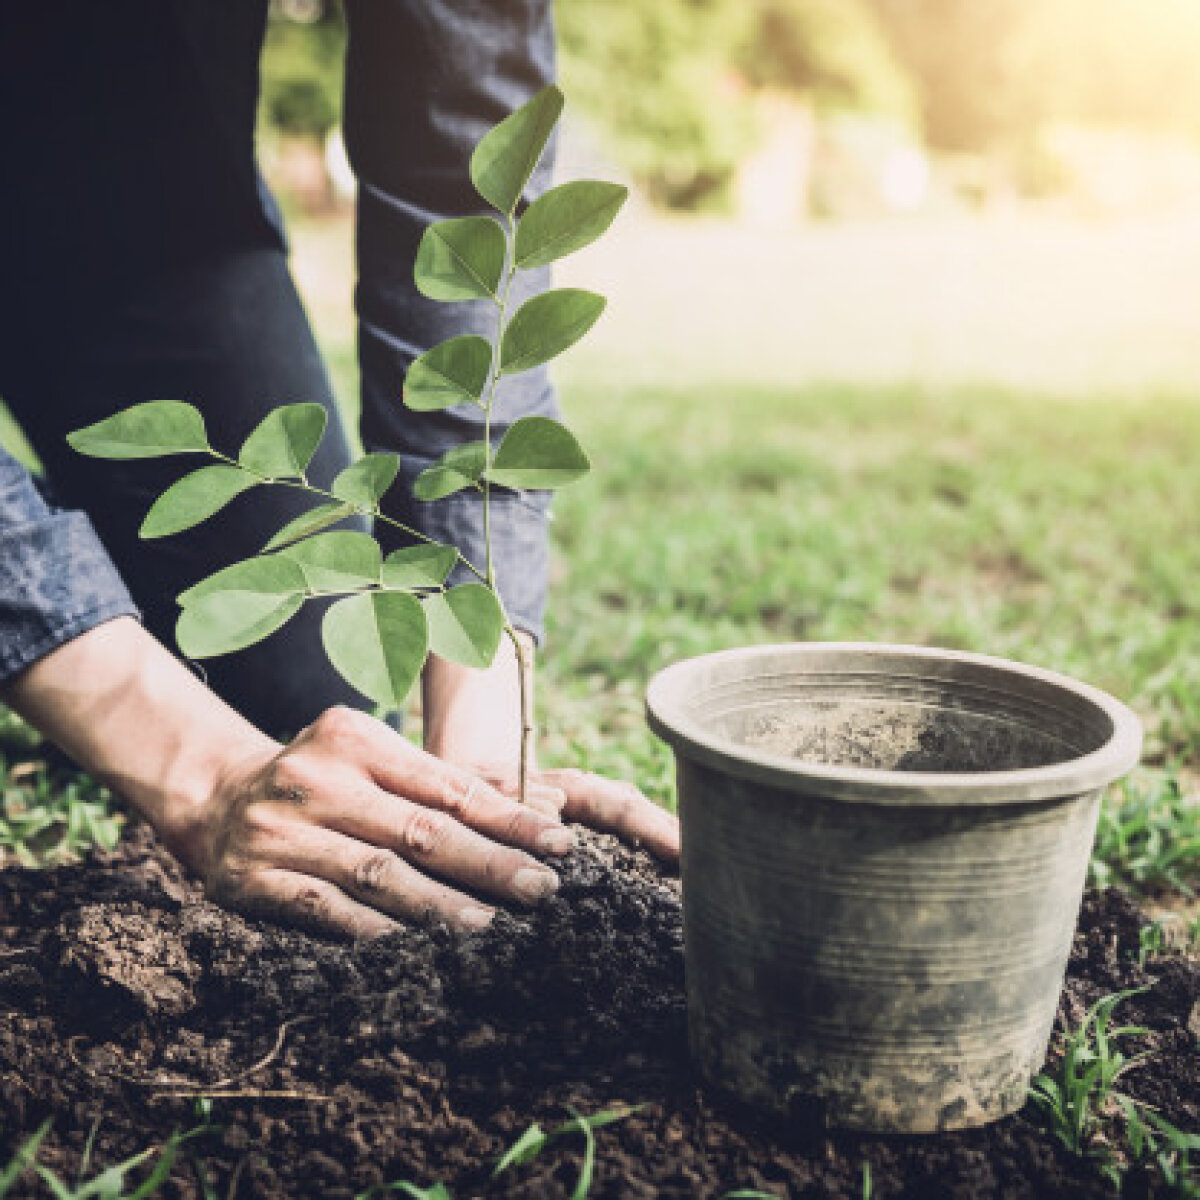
pixel 979 436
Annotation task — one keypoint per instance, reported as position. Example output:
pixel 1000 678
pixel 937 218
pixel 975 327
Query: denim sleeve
pixel 425 79
pixel 56 580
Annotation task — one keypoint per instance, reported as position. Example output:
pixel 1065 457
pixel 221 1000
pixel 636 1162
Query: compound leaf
pixel 453 372
pixel 144 431
pixel 418 566
pixel 566 219
pixel 460 259
pixel 282 445
pixel 364 482
pixel 538 452
pixel 317 518
pixel 465 624
pixel 378 642
pixel 461 467
pixel 221 622
pixel 337 562
pixel 546 326
pixel 195 498
pixel 272 575
pixel 506 155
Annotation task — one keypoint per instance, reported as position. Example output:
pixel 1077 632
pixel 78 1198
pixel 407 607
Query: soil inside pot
pixel 904 737
pixel 422 1055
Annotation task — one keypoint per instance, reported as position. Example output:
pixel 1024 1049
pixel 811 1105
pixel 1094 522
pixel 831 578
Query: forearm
pixel 129 713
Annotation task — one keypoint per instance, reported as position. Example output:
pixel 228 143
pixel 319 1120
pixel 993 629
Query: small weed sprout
pixel 1154 938
pixel 112 1183
pixel 1163 1150
pixel 393 611
pixel 535 1139
pixel 1074 1097
pixel 524 1150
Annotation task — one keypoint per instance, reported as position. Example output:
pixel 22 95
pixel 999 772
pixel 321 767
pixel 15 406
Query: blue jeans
pixel 141 258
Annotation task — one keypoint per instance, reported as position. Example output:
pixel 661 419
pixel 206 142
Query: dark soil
pixel 423 1055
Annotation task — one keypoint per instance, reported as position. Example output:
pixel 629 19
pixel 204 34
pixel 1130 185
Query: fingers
pixel 294 899
pixel 433 841
pixel 542 797
pixel 366 876
pixel 616 807
pixel 401 769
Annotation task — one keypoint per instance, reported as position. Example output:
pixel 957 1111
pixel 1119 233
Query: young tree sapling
pixel 394 609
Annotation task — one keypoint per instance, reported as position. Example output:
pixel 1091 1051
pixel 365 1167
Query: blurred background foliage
pixel 686 97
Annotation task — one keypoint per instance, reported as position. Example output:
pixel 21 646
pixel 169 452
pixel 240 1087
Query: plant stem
pixel 523 665
pixel 524 678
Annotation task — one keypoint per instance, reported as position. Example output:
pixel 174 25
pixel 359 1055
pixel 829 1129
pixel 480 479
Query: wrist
pixel 134 717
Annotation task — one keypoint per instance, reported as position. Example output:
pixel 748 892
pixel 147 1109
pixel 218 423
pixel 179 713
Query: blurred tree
pixel 978 67
pixel 657 78
pixel 302 67
pixel 674 82
pixel 833 52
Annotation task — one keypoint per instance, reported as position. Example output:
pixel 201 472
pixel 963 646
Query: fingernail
pixel 476 918
pixel 534 883
pixel 558 839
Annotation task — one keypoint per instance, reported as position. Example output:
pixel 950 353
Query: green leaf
pixel 538 452
pixel 24 1157
pixel 286 439
pixel 583 1184
pixel 547 325
pixel 460 259
pixel 461 467
pixel 195 498
pixel 224 621
pixel 453 372
pixel 506 155
pixel 566 219
pixel 337 562
pixel 364 482
pixel 419 566
pixel 272 575
pixel 377 641
pixel 313 521
pixel 525 1149
pixel 465 624
pixel 144 431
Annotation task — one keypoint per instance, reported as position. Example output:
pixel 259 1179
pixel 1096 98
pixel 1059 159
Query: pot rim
pixel 668 718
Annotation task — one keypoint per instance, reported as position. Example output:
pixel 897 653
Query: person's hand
pixel 351 826
pixel 472 718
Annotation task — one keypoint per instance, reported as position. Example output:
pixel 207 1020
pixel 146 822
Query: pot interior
pixel 870 712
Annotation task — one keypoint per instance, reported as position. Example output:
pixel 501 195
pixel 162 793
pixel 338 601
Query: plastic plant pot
pixel 884 854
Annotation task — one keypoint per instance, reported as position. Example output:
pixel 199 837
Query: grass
pixel 980 436
pixel 1054 532
pixel 1077 1093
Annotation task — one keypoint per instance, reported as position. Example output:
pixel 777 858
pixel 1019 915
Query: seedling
pixel 109 1184
pixel 393 611
pixel 525 1149
pixel 1074 1097
pixel 1154 938
pixel 1159 1146
pixel 535 1139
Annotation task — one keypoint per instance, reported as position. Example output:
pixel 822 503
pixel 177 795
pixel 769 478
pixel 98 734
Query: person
pixel 141 257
